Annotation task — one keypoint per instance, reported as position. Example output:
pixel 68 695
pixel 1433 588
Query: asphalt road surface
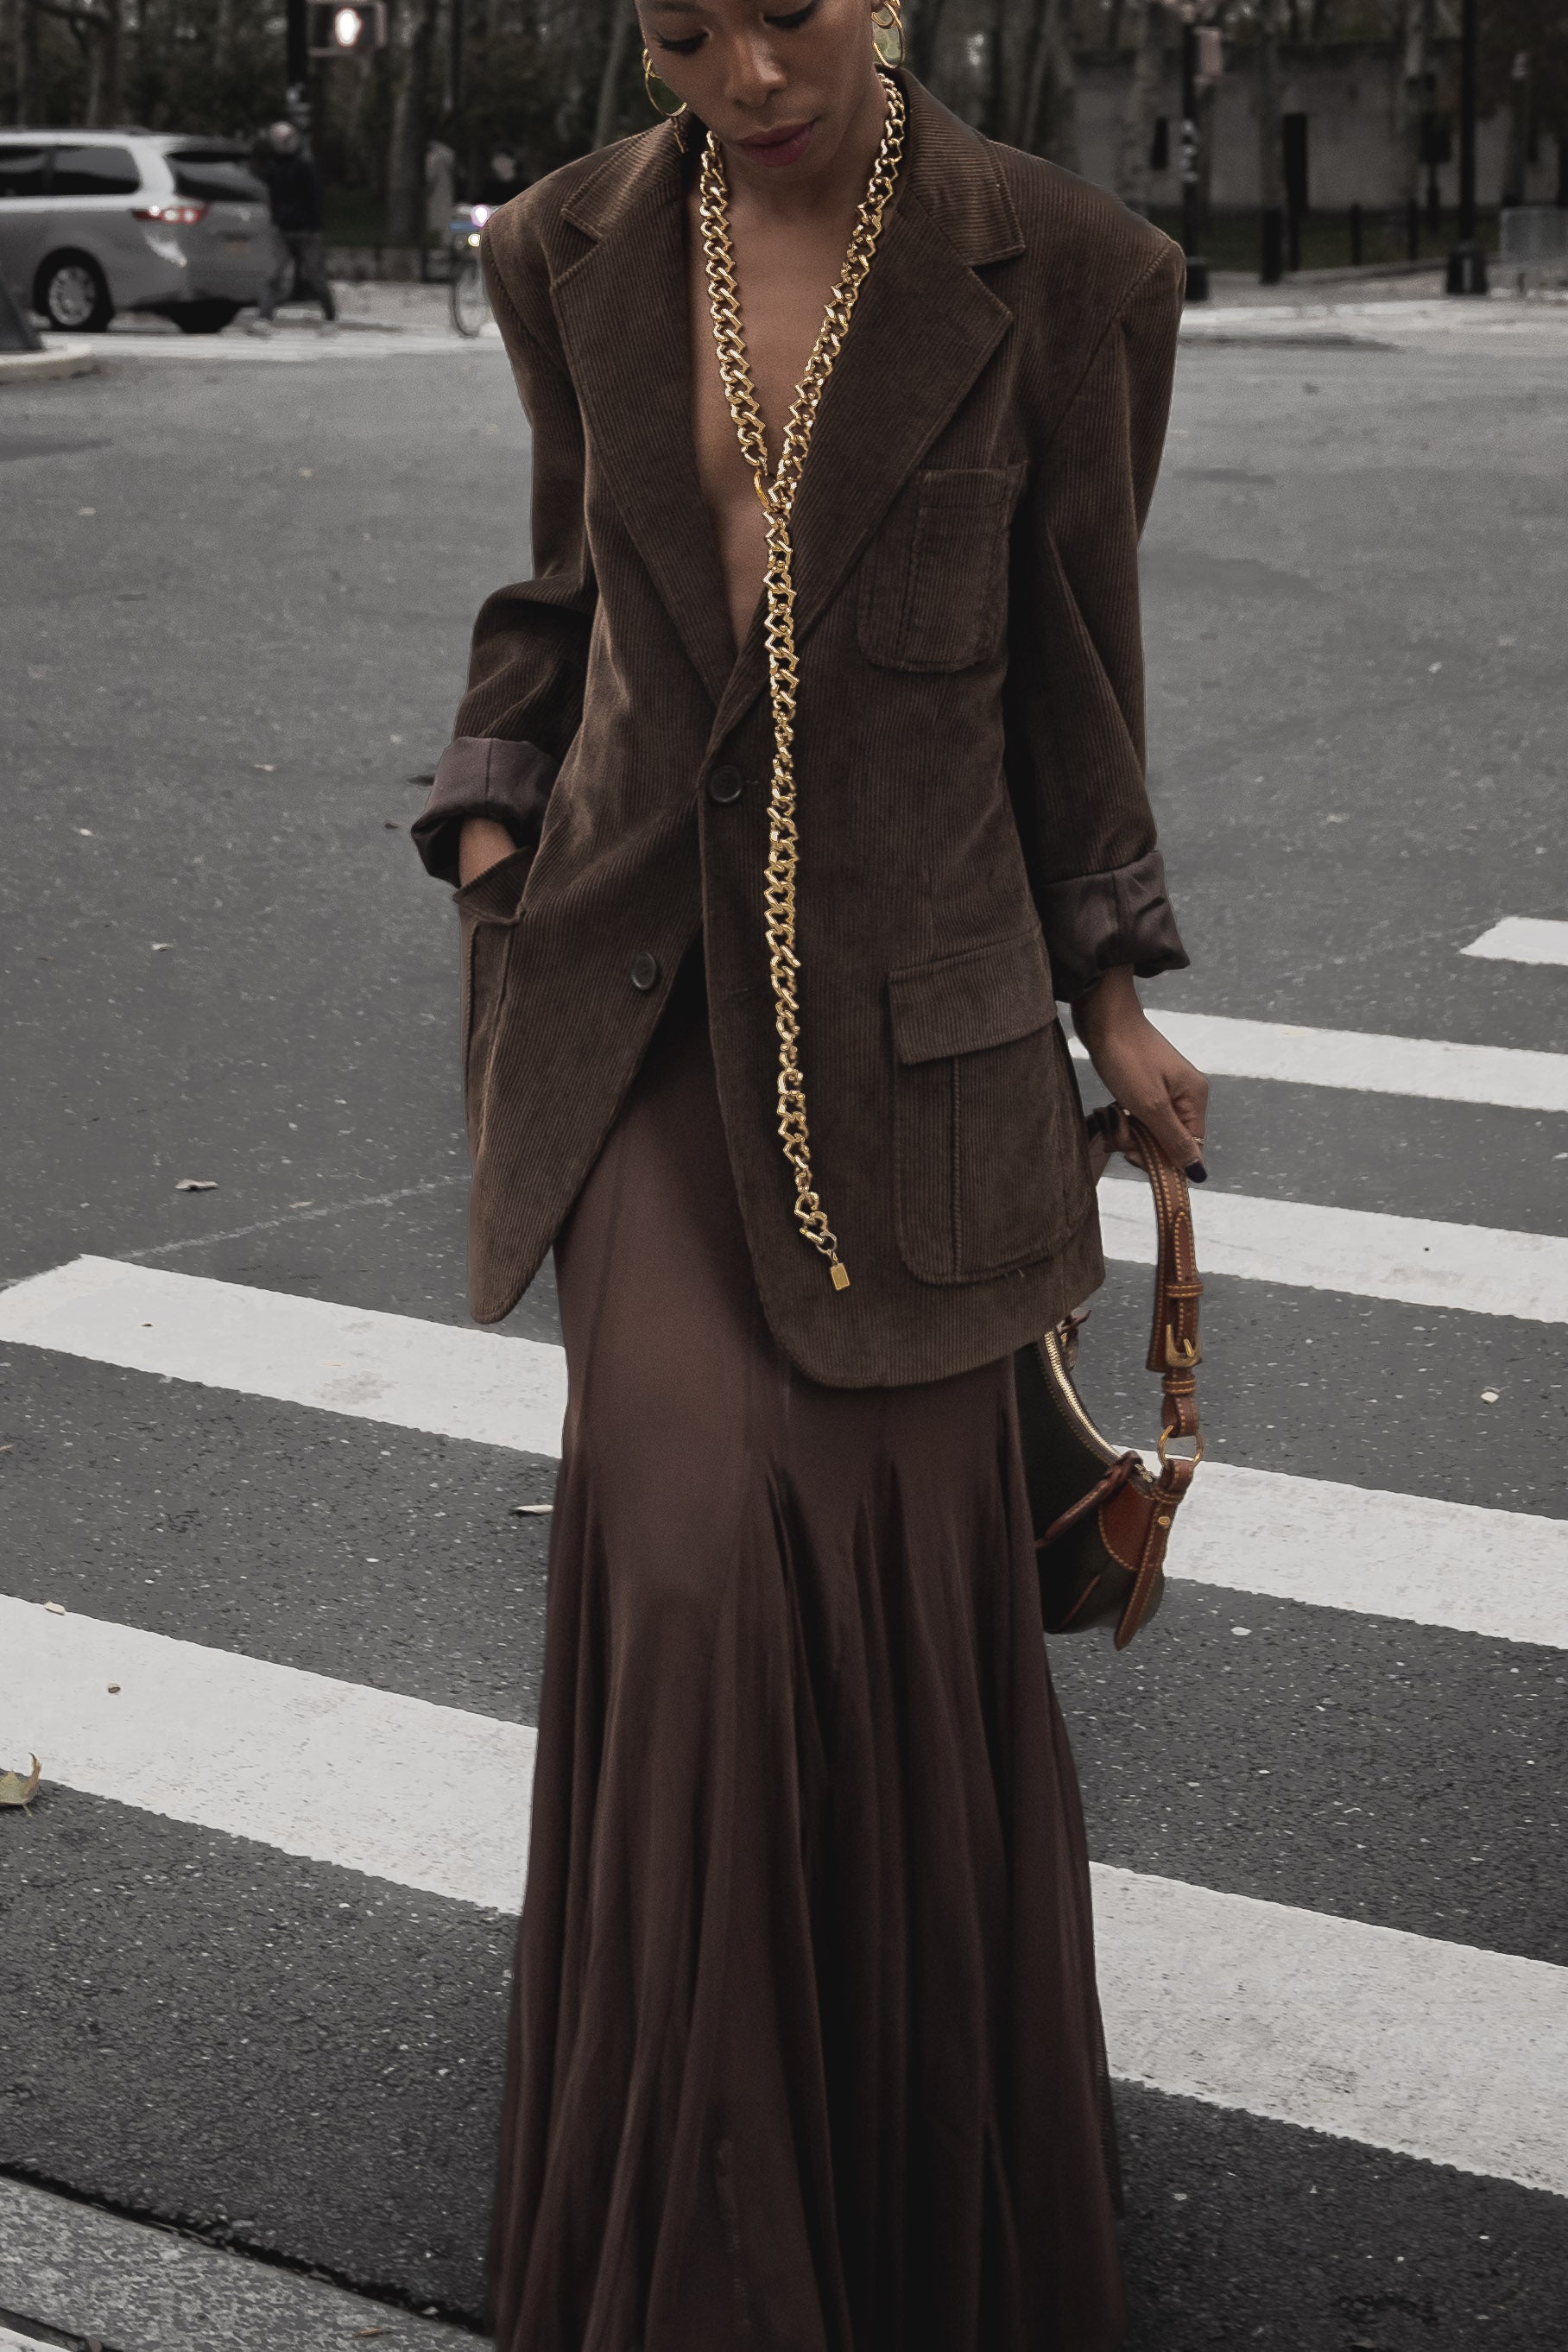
pixel 258 1922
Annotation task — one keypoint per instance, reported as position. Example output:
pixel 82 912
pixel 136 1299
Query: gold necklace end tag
pixel 840 1274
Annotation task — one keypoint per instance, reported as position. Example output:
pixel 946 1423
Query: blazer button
pixel 644 971
pixel 726 784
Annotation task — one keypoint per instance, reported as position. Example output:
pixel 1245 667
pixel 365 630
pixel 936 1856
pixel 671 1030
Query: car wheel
pixel 209 318
pixel 73 294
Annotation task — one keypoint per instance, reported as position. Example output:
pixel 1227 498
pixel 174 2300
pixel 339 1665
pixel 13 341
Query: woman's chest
pixel 785 293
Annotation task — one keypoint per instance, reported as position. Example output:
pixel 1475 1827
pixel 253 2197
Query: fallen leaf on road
pixel 56 1608
pixel 392 824
pixel 196 1184
pixel 15 1790
pixel 113 1689
pixel 162 947
pixel 533 1511
pixel 361 2333
pixel 265 767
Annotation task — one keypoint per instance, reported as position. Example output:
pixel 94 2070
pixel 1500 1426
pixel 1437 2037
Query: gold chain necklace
pixel 777 497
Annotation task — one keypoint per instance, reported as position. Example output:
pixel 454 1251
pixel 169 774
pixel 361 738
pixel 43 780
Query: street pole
pixel 1467 263
pixel 1197 269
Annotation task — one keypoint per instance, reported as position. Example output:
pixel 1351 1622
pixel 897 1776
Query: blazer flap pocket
pixel 961 1004
pixel 496 894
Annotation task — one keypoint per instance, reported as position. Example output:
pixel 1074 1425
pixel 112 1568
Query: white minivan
pixel 92 222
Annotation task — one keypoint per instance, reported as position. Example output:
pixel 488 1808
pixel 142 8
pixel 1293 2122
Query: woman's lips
pixel 776 147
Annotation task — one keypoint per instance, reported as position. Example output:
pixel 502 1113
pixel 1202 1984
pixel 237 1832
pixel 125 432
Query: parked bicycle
pixel 470 304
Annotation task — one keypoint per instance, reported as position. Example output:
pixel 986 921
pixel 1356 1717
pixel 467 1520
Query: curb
pixel 59 358
pixel 93 2276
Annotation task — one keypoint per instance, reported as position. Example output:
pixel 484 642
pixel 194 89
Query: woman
pixel 778 809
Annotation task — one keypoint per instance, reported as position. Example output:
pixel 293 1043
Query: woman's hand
pixel 1143 1073
pixel 481 845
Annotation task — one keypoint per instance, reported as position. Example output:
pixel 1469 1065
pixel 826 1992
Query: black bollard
pixel 1468 270
pixel 1356 237
pixel 1413 231
pixel 1272 269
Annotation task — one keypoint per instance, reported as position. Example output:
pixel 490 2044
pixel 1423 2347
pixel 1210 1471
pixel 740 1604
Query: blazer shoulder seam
pixel 1114 319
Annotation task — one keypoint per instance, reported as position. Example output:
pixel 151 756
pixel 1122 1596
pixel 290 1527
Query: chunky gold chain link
pixel 777 497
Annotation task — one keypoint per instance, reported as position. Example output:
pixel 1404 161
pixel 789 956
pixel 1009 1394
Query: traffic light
pixel 354 31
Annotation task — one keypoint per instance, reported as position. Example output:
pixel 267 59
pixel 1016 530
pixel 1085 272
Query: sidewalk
pixel 71 2275
pixel 1365 310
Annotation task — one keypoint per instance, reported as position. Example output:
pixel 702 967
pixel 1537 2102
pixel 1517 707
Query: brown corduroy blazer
pixel 975 839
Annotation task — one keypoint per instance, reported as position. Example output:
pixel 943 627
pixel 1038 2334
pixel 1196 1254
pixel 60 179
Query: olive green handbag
pixel 1101 1517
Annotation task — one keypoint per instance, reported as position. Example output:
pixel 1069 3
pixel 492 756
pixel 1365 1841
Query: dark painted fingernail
pixel 1197 1173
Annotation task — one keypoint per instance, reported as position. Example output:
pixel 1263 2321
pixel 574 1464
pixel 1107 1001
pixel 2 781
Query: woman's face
pixel 779 87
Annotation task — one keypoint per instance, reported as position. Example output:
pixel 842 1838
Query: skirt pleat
pixel 805 2047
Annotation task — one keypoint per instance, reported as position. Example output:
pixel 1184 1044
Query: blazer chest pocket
pixel 990 1168
pixel 488 911
pixel 933 587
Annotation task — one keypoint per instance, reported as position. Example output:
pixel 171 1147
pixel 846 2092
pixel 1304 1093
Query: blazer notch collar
pixel 633 172
pixel 956 179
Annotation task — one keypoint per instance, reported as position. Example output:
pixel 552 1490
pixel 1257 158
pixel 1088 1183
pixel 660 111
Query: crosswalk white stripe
pixel 393 1369
pixel 1319 2021
pixel 428 1796
pixel 1436 2049
pixel 1359 1253
pixel 1501 1573
pixel 1509 1077
pixel 1522 939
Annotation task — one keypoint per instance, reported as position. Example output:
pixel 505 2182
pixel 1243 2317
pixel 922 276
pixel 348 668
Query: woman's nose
pixel 756 71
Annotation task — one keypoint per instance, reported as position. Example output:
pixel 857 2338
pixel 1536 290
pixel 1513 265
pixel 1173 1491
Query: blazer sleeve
pixel 529 651
pixel 1076 745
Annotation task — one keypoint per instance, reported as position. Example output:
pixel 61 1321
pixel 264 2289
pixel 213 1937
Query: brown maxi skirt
pixel 805 2047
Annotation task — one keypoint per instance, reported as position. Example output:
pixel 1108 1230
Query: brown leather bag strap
pixel 1173 1350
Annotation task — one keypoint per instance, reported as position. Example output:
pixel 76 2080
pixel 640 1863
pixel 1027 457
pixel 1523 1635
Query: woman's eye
pixel 686 49
pixel 795 20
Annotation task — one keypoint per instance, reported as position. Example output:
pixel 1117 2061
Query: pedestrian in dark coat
pixel 294 186
pixel 806 2045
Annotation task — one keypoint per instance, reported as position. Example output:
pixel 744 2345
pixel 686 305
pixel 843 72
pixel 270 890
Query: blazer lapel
pixel 923 327
pixel 623 314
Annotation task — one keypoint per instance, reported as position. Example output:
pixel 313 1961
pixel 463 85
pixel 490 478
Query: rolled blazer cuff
pixel 482 775
pixel 1095 921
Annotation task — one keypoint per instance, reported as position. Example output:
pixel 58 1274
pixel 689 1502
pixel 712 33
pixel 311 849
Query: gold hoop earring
pixel 659 90
pixel 887 33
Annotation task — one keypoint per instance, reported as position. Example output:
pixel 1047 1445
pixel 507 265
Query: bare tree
pixel 25 28
pixel 1411 29
pixel 413 32
pixel 1142 98
pixel 1271 150
pixel 1047 118
pixel 923 33
pixel 608 107
pixel 95 27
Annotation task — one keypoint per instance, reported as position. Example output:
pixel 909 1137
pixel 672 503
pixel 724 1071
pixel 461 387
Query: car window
pixel 219 182
pixel 24 171
pixel 95 171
